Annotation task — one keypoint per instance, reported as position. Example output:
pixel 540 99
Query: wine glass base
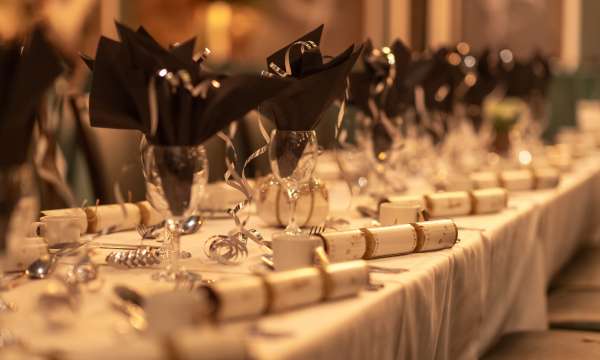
pixel 293 231
pixel 178 276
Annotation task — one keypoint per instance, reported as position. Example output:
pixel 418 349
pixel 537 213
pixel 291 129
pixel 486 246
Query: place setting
pixel 166 196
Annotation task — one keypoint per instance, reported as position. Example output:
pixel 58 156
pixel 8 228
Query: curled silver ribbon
pixel 304 45
pixel 233 247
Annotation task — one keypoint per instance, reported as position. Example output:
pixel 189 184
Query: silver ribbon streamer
pixel 119 194
pixel 232 248
pixel 422 108
pixel 153 106
pixel 47 151
pixel 380 89
pixel 304 45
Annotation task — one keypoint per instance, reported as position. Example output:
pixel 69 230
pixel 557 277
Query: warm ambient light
pixel 470 61
pixel 218 29
pixel 470 79
pixel 525 157
pixel 463 48
pixel 506 55
pixel 441 93
pixel 454 58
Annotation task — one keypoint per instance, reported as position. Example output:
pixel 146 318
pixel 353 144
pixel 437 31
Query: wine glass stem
pixel 292 226
pixel 174 227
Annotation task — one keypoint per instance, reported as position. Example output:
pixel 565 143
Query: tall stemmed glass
pixel 18 208
pixel 176 178
pixel 293 157
pixel 382 144
pixel 354 167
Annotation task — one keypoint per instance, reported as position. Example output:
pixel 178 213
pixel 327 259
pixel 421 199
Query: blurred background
pixel 240 34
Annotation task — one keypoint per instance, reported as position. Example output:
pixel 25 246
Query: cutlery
pixel 190 226
pixel 132 305
pixel 41 268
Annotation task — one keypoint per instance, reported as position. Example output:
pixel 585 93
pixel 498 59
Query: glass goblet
pixel 382 146
pixel 176 178
pixel 18 208
pixel 354 168
pixel 293 157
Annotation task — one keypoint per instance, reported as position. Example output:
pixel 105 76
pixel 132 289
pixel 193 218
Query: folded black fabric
pixel 370 88
pixel 486 80
pixel 519 80
pixel 411 71
pixel 542 73
pixel 27 69
pixel 408 71
pixel 515 75
pixel 315 84
pixel 441 82
pixel 360 92
pixel 483 80
pixel 166 93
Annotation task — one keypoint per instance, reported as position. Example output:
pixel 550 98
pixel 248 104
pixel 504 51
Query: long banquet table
pixel 451 304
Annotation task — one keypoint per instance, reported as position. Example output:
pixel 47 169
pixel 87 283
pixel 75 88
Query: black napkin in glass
pixel 542 73
pixel 515 75
pixel 486 81
pixel 369 88
pixel 360 91
pixel 439 87
pixel 519 80
pixel 371 92
pixel 183 51
pixel 441 82
pixel 315 84
pixel 27 69
pixel 411 71
pixel 136 75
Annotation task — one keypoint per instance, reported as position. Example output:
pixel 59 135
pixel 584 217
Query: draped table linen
pixel 451 304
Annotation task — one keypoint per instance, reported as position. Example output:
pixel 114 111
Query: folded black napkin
pixel 360 92
pixel 370 88
pixel 315 83
pixel 27 69
pixel 409 72
pixel 485 80
pixel 542 73
pixel 166 93
pixel 519 80
pixel 386 87
pixel 441 82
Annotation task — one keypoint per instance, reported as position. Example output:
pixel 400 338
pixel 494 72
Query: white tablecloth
pixel 452 304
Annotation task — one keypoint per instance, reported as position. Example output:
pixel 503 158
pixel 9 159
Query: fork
pixel 149 232
pixel 316 230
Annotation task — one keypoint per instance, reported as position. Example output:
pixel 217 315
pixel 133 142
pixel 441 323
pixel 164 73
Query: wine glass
pixel 176 178
pixel 354 167
pixel 382 144
pixel 18 208
pixel 293 157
